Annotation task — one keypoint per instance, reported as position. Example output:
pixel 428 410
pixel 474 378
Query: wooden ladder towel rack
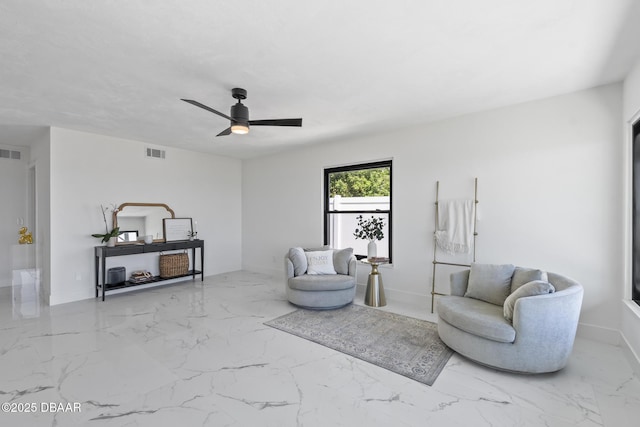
pixel 435 245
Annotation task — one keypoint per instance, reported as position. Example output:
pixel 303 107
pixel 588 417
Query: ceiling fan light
pixel 239 129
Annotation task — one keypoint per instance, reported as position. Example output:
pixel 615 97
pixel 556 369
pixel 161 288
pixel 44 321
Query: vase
pixel 372 249
pixel 111 242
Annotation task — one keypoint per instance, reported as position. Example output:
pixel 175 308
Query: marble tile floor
pixel 198 354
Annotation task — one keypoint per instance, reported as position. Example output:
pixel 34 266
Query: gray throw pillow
pixel 490 282
pixel 535 287
pixel 299 261
pixel 341 260
pixel 525 275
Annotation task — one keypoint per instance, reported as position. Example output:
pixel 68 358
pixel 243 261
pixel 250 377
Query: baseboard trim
pixel 632 357
pixel 599 334
pixel 630 334
pixel 405 298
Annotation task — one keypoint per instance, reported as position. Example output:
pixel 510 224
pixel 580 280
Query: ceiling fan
pixel 239 116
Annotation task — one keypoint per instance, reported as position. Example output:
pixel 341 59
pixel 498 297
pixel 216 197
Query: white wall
pixel 13 206
pixel 88 170
pixel 41 161
pixel 630 325
pixel 548 174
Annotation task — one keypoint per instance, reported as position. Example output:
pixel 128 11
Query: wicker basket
pixel 174 265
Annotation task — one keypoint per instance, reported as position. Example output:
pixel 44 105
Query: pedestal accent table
pixel 374 295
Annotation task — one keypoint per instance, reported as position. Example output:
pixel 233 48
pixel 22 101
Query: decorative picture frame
pixel 176 229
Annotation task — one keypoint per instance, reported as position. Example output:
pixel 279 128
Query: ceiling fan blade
pixel 227 131
pixel 276 122
pixel 197 104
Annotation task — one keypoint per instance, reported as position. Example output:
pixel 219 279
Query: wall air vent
pixel 9 154
pixel 155 153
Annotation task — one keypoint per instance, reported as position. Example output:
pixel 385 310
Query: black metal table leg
pixel 104 274
pixel 193 263
pixel 96 261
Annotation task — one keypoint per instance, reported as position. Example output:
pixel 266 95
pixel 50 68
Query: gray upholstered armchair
pixel 320 279
pixel 532 331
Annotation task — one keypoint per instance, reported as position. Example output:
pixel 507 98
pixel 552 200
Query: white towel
pixel 455 226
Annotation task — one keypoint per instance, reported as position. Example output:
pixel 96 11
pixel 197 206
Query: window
pixel 351 191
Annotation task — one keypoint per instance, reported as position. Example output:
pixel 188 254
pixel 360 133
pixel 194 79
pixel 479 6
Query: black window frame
pixel 389 212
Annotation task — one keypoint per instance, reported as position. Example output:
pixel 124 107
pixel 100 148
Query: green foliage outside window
pixel 361 183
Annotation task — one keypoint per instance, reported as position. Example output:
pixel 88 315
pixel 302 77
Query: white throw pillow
pixel 320 262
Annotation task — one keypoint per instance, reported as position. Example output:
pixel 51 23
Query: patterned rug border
pixel 415 372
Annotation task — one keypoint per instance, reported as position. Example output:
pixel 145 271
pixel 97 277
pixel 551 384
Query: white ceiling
pixel 345 67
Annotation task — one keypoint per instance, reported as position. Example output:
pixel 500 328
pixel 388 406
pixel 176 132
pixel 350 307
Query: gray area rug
pixel 401 344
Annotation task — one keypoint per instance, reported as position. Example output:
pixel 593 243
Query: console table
pixel 104 252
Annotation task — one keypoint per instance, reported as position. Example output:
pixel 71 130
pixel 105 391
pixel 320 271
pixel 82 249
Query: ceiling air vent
pixel 155 153
pixel 9 154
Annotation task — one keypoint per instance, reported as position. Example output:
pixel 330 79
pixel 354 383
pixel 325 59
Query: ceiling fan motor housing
pixel 240 113
pixel 239 116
